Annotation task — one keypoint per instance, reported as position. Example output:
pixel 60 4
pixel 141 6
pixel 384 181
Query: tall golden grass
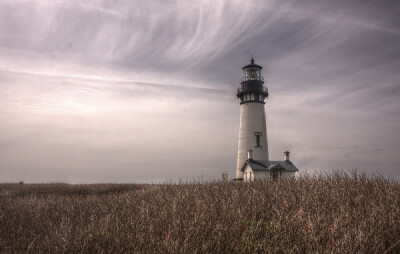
pixel 326 213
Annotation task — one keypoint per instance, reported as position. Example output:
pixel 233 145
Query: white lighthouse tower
pixel 253 128
pixel 252 161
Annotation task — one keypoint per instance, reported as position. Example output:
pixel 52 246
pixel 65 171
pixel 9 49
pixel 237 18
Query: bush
pixel 325 213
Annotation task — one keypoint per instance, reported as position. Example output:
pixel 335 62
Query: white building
pixel 252 161
pixel 268 170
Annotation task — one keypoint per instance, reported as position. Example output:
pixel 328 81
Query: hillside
pixel 327 213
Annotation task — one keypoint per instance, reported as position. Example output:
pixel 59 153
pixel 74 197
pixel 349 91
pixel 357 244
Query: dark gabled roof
pixel 252 64
pixel 261 165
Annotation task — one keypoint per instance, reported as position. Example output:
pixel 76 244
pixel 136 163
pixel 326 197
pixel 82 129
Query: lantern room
pixel 252 87
pixel 252 71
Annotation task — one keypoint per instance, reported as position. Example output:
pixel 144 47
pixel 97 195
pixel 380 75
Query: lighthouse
pixel 253 128
pixel 252 159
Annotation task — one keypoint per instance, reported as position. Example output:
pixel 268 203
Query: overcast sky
pixel 144 91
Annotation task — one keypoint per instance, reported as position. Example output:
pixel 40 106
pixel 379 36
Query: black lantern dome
pixel 252 64
pixel 252 87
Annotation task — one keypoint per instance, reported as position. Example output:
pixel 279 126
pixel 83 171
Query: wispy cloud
pixel 94 85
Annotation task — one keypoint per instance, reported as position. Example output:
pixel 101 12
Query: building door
pixel 276 173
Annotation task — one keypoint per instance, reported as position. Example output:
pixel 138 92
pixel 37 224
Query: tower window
pixel 258 138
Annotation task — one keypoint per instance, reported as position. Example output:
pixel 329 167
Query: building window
pixel 258 138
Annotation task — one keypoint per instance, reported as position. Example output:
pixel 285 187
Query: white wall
pixel 262 175
pixel 255 175
pixel 252 119
pixel 286 175
pixel 248 175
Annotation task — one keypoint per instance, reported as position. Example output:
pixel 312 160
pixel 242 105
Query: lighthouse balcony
pixel 246 88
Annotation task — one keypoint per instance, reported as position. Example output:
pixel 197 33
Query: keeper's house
pixel 268 170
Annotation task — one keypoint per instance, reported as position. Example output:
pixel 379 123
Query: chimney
pixel 250 155
pixel 286 156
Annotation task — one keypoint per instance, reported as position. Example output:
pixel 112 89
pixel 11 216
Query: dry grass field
pixel 327 213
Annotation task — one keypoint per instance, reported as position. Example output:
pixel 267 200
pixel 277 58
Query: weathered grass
pixel 325 213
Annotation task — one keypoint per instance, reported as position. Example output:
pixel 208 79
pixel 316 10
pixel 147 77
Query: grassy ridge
pixel 330 213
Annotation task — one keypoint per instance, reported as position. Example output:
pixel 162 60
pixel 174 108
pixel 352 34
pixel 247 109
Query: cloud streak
pixel 146 90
